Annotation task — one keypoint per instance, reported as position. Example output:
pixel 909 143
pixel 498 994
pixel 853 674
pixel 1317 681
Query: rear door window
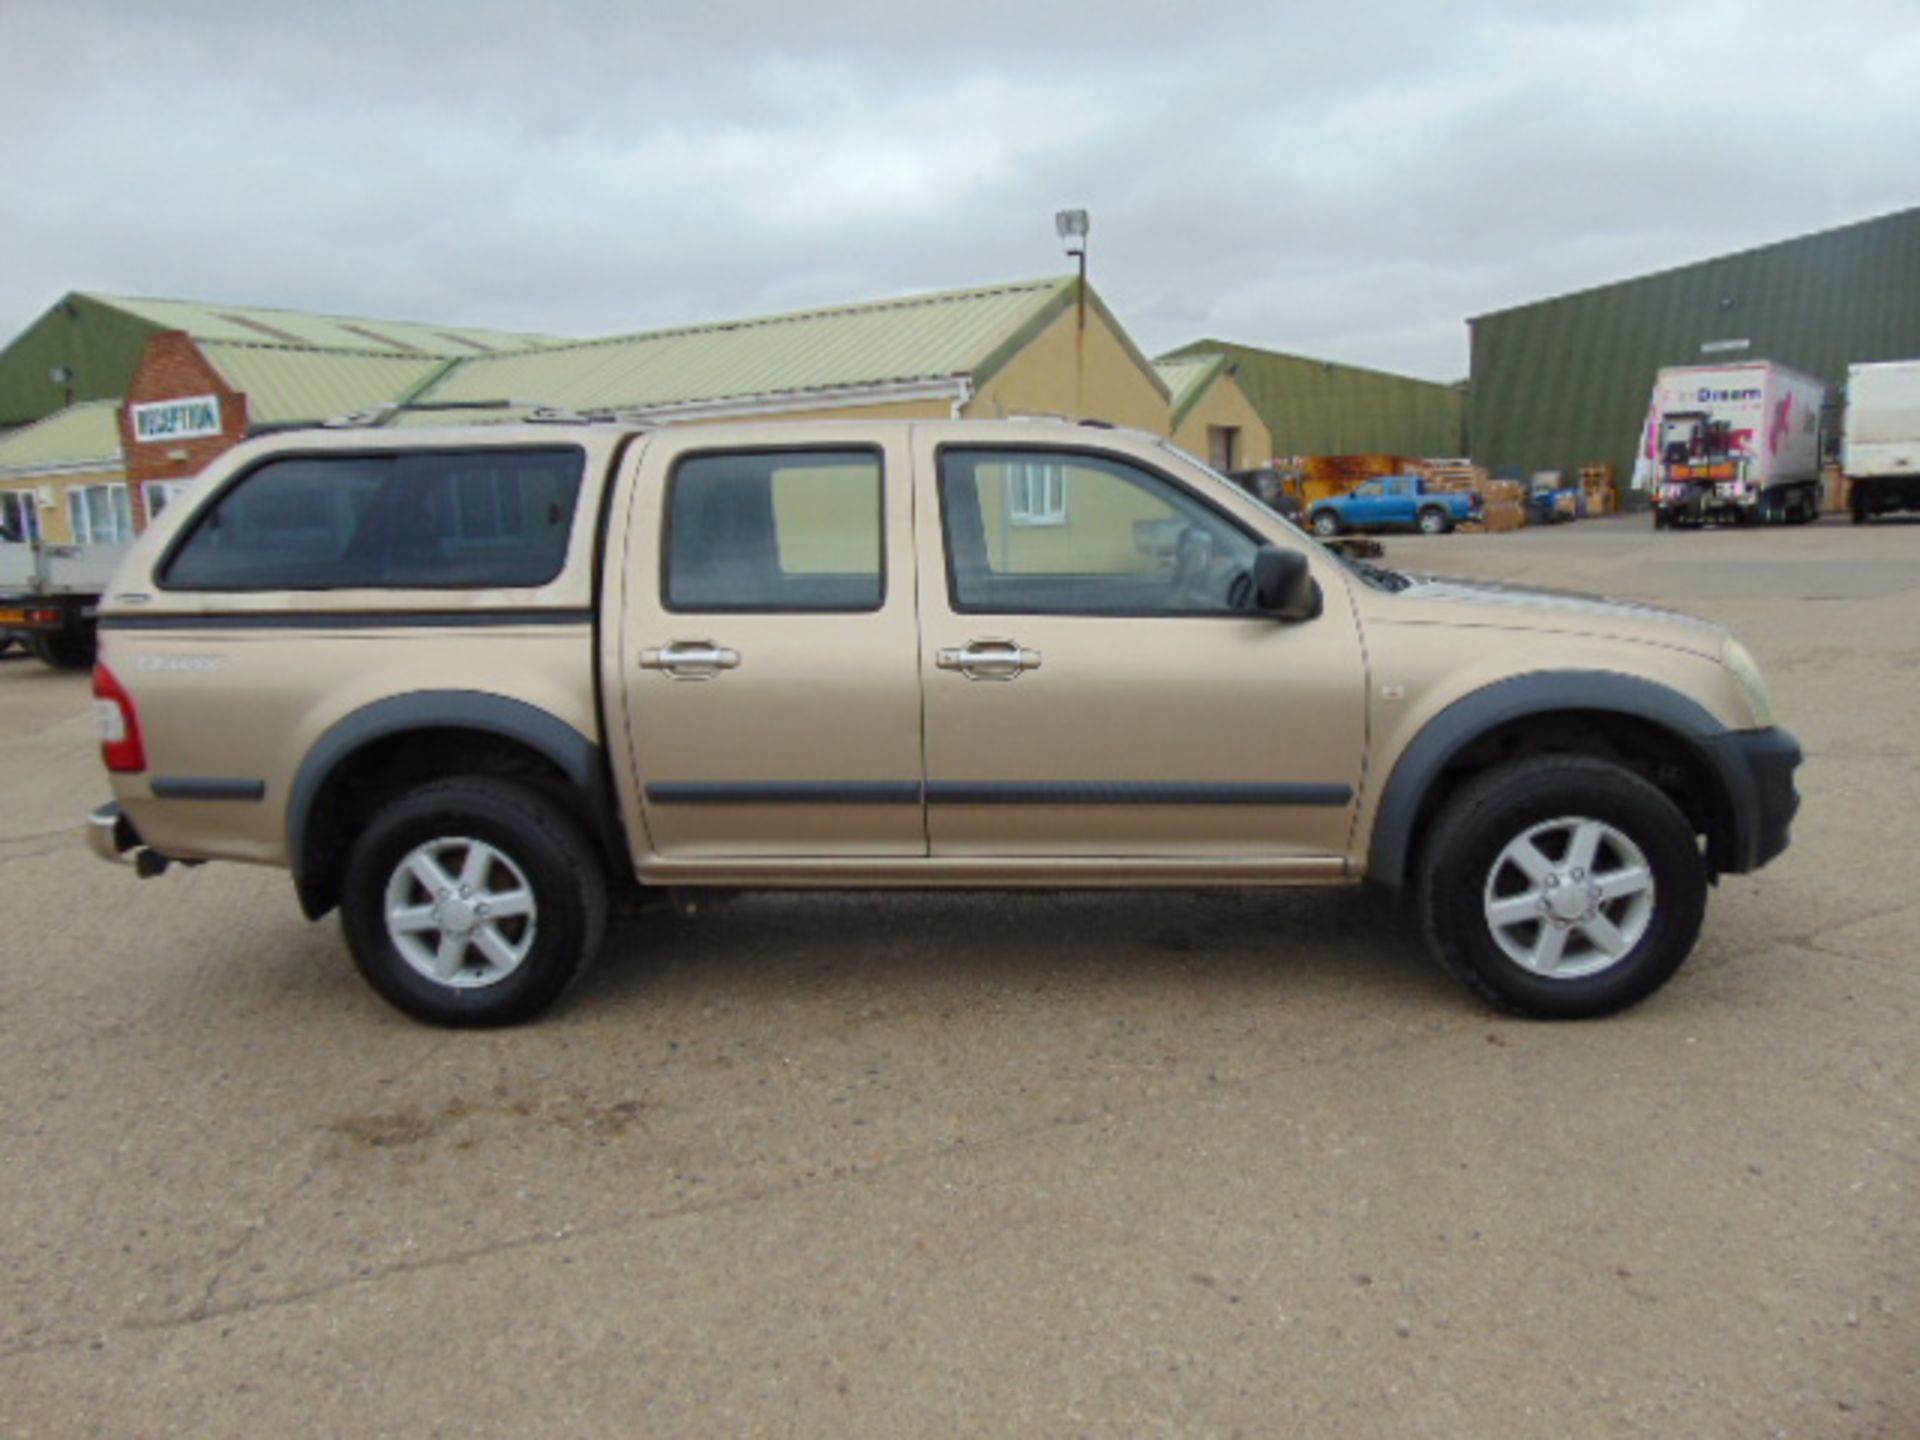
pixel 770 531
pixel 412 520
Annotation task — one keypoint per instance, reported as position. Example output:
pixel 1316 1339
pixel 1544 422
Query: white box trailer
pixel 1739 442
pixel 1880 438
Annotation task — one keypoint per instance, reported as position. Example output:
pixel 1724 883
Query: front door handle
pixel 690 659
pixel 988 660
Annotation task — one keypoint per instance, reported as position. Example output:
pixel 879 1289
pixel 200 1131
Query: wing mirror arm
pixel 1283 585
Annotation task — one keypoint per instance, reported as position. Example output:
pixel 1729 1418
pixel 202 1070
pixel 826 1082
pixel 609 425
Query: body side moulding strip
pixel 207 787
pixel 348 620
pixel 990 792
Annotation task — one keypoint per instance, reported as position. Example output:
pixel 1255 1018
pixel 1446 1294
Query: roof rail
pixel 538 412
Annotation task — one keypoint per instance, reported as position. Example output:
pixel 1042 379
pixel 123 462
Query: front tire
pixel 1326 524
pixel 1562 887
pixel 473 902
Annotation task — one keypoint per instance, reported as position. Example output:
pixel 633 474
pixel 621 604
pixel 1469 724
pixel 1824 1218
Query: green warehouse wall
pixel 1565 382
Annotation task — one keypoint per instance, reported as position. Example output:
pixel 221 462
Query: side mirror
pixel 1283 584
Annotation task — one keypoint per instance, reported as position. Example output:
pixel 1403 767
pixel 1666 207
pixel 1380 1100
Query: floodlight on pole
pixel 1072 226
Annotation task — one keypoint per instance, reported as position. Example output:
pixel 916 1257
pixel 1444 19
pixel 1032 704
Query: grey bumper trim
pixel 110 835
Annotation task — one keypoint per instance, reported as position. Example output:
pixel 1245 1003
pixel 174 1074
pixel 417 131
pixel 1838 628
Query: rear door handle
pixel 690 659
pixel 988 659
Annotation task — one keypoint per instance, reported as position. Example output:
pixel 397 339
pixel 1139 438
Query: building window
pixel 1223 446
pixel 19 517
pixel 101 514
pixel 1037 493
pixel 161 493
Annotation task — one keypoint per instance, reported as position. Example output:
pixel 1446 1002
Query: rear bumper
pixel 1756 771
pixel 111 836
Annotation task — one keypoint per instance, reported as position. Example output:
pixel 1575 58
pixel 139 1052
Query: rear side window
pixel 775 530
pixel 421 520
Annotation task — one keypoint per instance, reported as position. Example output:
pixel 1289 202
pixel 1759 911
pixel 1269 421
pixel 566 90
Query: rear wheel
pixel 473 902
pixel 1326 524
pixel 1434 521
pixel 1562 887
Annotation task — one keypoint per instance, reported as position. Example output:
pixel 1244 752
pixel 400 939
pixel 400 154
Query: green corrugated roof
pixel 285 383
pixel 258 324
pixel 946 336
pixel 1187 380
pixel 95 342
pixel 1319 407
pixel 87 431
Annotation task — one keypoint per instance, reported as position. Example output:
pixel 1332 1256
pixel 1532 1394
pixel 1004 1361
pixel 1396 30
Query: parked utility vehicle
pixel 464 683
pixel 1880 440
pixel 1734 442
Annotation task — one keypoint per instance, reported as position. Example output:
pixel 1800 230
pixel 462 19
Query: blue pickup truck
pixel 1394 502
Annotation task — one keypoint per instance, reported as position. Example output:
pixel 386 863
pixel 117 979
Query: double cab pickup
pixel 467 685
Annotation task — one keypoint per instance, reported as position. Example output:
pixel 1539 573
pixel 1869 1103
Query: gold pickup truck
pixel 465 684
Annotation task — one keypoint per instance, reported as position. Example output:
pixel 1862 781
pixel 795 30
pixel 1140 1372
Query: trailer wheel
pixel 64 651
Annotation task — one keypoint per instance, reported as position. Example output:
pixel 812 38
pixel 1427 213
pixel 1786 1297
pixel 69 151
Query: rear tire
pixel 1326 524
pixel 473 902
pixel 1434 521
pixel 1515 907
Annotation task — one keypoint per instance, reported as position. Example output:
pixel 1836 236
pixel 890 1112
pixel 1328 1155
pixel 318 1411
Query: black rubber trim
pixel 1472 716
pixel 990 792
pixel 1756 768
pixel 1132 792
pixel 194 787
pixel 785 792
pixel 577 757
pixel 347 620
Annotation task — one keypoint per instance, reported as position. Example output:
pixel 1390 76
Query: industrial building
pixel 1565 382
pixel 1319 407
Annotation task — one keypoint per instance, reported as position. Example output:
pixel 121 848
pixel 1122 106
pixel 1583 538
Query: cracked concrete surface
pixel 931 1165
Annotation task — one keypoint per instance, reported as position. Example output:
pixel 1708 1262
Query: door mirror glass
pixel 1283 584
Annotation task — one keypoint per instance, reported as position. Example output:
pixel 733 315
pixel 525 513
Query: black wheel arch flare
pixel 1473 716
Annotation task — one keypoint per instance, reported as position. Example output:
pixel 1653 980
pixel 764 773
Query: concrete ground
pixel 1040 1165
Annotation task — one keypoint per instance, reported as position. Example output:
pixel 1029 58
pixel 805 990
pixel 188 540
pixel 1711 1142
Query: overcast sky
pixel 1341 180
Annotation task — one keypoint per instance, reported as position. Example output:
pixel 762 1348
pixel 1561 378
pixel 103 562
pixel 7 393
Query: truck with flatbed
pixel 1394 502
pixel 470 686
pixel 50 596
pixel 1880 439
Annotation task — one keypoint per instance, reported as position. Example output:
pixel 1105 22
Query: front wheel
pixel 1434 521
pixel 1326 524
pixel 473 902
pixel 1562 887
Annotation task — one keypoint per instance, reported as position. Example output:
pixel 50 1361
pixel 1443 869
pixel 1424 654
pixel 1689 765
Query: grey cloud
pixel 1347 183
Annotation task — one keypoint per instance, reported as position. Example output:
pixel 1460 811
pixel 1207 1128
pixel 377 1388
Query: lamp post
pixel 1072 226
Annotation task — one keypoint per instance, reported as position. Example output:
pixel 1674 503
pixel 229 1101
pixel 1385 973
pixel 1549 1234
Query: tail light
pixel 120 743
